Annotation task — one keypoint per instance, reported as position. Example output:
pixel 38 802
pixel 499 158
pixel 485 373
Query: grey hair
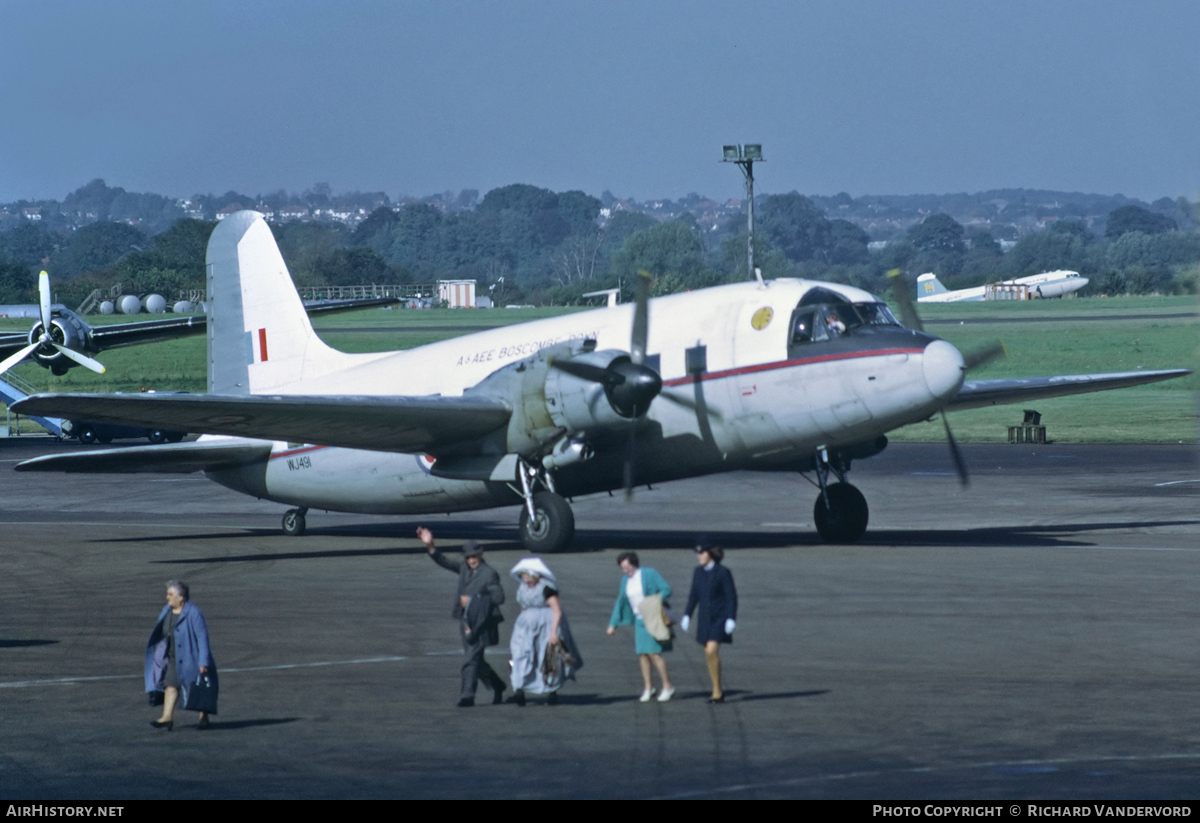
pixel 179 586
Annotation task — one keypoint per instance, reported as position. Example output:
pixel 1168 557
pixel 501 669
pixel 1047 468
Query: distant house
pixel 232 208
pixel 32 212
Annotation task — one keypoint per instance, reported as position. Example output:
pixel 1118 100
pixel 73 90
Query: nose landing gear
pixel 840 512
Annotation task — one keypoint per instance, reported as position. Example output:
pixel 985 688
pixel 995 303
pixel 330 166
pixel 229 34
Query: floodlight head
pixel 732 152
pixel 752 151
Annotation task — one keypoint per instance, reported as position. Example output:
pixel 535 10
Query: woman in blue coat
pixel 178 656
pixel 714 593
pixel 637 585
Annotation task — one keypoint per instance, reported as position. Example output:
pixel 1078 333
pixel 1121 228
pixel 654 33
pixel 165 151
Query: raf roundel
pixel 762 318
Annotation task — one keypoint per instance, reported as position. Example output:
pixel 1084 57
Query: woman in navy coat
pixel 176 658
pixel 713 591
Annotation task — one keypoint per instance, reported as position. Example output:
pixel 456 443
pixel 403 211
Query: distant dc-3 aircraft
pixel 786 375
pixel 1046 284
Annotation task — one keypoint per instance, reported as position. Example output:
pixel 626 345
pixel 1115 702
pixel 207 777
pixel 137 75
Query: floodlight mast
pixel 744 156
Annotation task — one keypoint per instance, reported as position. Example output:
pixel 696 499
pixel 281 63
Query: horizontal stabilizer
pixel 390 424
pixel 168 458
pixel 977 394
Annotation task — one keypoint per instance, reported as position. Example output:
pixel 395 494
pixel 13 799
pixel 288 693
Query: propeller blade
pixel 689 403
pixel 960 464
pixel 17 358
pixel 985 355
pixel 641 319
pixel 630 453
pixel 908 310
pixel 44 297
pixel 584 371
pixel 81 359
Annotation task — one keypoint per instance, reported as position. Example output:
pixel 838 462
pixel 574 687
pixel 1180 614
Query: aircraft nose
pixel 944 369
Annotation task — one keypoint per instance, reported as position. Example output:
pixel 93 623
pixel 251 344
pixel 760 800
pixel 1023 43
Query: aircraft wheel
pixel 87 435
pixel 552 527
pixel 293 523
pixel 845 520
pixel 157 436
pixel 105 439
pixel 174 437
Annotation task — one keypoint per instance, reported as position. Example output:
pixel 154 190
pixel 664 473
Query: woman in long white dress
pixel 544 654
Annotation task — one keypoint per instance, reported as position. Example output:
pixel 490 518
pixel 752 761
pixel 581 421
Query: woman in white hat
pixel 543 652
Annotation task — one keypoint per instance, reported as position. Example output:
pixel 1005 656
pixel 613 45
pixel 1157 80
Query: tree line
pixel 532 245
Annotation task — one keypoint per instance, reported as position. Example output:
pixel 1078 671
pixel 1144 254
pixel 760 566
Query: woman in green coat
pixel 637 585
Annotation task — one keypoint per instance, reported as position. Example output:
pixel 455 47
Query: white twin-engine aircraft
pixel 787 375
pixel 1047 284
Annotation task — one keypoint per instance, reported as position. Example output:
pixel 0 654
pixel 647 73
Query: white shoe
pixel 666 695
pixel 646 695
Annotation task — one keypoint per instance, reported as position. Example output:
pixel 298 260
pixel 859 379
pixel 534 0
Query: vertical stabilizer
pixel 259 336
pixel 928 285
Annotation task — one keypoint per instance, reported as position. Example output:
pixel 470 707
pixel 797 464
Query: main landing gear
pixel 547 523
pixel 293 521
pixel 840 511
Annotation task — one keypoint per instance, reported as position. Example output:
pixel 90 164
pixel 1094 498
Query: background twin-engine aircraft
pixel 784 375
pixel 1047 284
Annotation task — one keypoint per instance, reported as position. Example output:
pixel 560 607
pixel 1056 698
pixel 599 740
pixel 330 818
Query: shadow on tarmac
pixel 230 726
pixel 18 644
pixel 596 540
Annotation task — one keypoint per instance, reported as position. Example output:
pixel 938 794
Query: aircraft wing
pixel 154 331
pixel 976 394
pixel 168 458
pixel 134 333
pixel 392 424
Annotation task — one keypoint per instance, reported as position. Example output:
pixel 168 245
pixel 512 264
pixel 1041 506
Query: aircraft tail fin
pixel 928 285
pixel 260 339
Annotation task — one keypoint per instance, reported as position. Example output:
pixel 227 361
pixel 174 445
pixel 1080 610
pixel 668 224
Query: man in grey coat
pixel 477 608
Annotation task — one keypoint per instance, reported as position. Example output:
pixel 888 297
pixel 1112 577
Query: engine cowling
pixel 580 405
pixel 65 330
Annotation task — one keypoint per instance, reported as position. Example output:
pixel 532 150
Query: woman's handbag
pixel 202 695
pixel 655 618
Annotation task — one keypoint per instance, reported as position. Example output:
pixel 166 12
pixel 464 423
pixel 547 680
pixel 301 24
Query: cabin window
pixel 808 327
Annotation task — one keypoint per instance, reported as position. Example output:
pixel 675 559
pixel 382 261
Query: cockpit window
pixel 817 323
pixel 875 314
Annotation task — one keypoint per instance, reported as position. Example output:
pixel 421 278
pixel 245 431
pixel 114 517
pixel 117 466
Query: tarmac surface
pixel 1034 636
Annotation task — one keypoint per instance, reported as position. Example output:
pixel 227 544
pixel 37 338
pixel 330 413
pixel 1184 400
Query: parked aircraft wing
pixel 976 394
pixel 392 424
pixel 154 331
pixel 168 458
pixel 136 332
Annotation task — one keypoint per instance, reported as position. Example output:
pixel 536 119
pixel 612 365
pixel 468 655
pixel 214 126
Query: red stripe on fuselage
pixel 787 364
pixel 292 452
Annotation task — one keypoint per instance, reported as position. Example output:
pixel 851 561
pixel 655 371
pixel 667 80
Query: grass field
pixel 1098 337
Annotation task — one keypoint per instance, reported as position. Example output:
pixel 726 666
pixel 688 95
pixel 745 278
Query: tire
pixel 845 521
pixel 174 437
pixel 553 527
pixel 104 439
pixel 157 436
pixel 294 523
pixel 87 435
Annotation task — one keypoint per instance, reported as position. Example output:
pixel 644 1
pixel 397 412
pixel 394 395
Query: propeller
pixel 971 360
pixel 46 340
pixel 629 384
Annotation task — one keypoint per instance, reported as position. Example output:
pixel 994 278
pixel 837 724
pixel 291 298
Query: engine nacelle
pixel 66 330
pixel 581 406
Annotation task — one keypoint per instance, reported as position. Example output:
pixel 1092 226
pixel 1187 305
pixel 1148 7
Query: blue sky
pixel 866 97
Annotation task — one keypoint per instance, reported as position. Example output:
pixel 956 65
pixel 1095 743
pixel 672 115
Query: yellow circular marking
pixel 762 318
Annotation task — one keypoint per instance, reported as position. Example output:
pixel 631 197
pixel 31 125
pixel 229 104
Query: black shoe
pixel 203 724
pixel 498 696
pixel 552 699
pixel 466 702
pixel 518 697
pixel 168 725
pixel 720 699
